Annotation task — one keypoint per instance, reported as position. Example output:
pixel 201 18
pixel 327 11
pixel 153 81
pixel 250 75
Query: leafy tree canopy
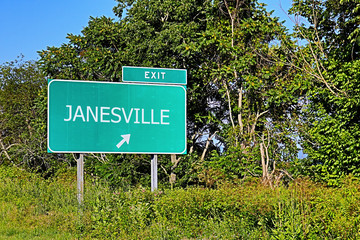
pixel 332 116
pixel 241 102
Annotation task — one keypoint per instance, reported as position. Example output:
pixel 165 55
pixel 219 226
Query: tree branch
pixel 207 146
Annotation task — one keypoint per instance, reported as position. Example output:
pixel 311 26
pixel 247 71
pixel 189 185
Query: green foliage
pixel 23 108
pixel 19 86
pixel 31 207
pixel 120 171
pixel 247 82
pixel 332 140
pixel 255 104
pixel 127 171
pixel 228 49
pixel 330 132
pixel 303 210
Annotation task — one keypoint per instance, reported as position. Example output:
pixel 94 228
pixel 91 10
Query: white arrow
pixel 126 138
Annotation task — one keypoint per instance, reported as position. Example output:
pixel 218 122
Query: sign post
pixel 154 182
pixel 80 178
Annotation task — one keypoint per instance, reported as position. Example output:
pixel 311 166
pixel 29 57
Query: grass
pixel 20 233
pixel 34 208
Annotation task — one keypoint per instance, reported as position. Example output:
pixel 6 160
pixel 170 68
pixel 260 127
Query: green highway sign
pixel 154 75
pixel 105 117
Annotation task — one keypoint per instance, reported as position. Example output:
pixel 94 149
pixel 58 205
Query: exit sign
pixel 106 117
pixel 154 75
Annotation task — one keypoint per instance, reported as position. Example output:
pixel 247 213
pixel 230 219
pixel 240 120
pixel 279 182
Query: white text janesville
pixel 117 114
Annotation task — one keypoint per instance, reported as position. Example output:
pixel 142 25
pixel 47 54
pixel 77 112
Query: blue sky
pixel 28 26
pixel 280 8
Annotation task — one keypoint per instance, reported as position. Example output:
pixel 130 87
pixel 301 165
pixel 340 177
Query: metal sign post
pixel 154 180
pixel 80 179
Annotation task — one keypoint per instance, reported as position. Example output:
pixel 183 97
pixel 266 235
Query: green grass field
pixel 34 208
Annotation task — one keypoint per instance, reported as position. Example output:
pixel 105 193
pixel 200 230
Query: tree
pixel 330 135
pixel 23 116
pixel 257 95
pixel 240 102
